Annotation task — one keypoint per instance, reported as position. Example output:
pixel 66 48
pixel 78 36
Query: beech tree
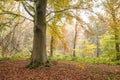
pixel 9 28
pixel 38 12
pixel 112 9
pixel 39 56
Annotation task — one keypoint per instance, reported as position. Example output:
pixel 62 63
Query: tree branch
pixel 30 5
pixel 25 7
pixel 11 13
pixel 58 11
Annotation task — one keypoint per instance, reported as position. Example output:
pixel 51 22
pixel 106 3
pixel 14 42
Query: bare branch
pixel 58 11
pixel 30 5
pixel 25 7
pixel 11 13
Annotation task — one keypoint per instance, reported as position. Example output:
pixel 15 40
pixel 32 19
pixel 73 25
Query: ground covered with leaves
pixel 16 70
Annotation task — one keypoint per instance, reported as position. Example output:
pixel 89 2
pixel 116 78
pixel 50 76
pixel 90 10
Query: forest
pixel 59 39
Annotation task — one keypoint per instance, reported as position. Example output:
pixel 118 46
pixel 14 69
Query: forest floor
pixel 16 70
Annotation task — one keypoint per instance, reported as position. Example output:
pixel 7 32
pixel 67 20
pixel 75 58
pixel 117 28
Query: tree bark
pixel 116 37
pixel 97 44
pixel 75 39
pixel 51 46
pixel 117 48
pixel 39 56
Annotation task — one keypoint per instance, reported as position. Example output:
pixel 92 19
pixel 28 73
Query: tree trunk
pixel 51 46
pixel 97 44
pixel 116 37
pixel 39 56
pixel 117 47
pixel 75 39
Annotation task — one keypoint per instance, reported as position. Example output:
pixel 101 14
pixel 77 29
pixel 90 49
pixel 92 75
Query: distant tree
pixel 112 9
pixel 9 24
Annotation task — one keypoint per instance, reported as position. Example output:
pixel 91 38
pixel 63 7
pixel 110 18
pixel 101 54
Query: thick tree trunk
pixel 39 56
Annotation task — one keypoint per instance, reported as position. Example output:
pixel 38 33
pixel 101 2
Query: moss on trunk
pixel 39 56
pixel 36 64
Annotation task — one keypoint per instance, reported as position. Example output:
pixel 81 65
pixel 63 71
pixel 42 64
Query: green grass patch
pixel 107 61
pixel 18 56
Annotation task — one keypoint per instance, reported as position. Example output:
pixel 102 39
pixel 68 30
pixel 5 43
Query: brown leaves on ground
pixel 16 70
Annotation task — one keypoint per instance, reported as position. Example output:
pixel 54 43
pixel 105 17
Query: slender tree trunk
pixel 116 37
pixel 75 39
pixel 117 47
pixel 97 44
pixel 97 49
pixel 64 52
pixel 51 46
pixel 39 56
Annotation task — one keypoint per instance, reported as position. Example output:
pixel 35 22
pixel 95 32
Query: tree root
pixel 36 64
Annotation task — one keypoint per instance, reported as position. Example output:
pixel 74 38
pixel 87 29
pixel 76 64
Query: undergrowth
pixel 19 56
pixel 107 61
